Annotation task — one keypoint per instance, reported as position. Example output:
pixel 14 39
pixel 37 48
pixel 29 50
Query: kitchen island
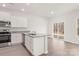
pixel 36 44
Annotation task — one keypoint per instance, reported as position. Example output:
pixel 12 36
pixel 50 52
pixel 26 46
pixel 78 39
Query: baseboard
pixel 72 42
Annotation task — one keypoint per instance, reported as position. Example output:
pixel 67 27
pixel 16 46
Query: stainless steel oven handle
pixel 5 34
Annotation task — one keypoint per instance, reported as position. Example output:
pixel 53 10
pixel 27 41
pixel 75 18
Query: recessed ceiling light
pixel 22 9
pixel 3 5
pixel 51 12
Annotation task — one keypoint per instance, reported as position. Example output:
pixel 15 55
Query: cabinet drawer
pixel 28 43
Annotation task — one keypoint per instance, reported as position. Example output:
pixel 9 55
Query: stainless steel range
pixel 5 35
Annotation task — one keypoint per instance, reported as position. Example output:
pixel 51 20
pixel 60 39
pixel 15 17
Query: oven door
pixel 5 37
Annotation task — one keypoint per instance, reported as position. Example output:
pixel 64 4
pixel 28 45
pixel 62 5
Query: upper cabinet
pixel 5 16
pixel 18 21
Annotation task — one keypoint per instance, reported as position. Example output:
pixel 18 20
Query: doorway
pixel 58 30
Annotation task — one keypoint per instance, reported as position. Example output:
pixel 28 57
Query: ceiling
pixel 40 9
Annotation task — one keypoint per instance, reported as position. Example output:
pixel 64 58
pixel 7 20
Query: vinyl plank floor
pixel 16 50
pixel 55 48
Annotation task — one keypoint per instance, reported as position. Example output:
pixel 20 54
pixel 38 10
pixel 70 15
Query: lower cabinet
pixel 36 45
pixel 16 38
pixel 28 43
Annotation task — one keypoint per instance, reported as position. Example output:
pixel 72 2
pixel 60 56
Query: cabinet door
pixel 38 45
pixel 31 44
pixel 16 38
pixel 28 43
pixel 19 22
pixel 5 16
pixel 45 44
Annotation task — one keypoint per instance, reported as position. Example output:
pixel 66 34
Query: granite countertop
pixel 16 29
pixel 36 35
pixel 19 31
pixel 24 31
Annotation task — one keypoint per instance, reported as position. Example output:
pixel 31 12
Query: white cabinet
pixel 5 16
pixel 16 38
pixel 36 45
pixel 29 43
pixel 19 22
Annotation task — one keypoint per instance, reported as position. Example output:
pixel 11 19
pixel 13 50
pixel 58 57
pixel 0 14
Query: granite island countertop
pixel 36 35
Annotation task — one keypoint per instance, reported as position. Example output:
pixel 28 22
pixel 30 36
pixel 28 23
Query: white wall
pixel 70 26
pixel 37 24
